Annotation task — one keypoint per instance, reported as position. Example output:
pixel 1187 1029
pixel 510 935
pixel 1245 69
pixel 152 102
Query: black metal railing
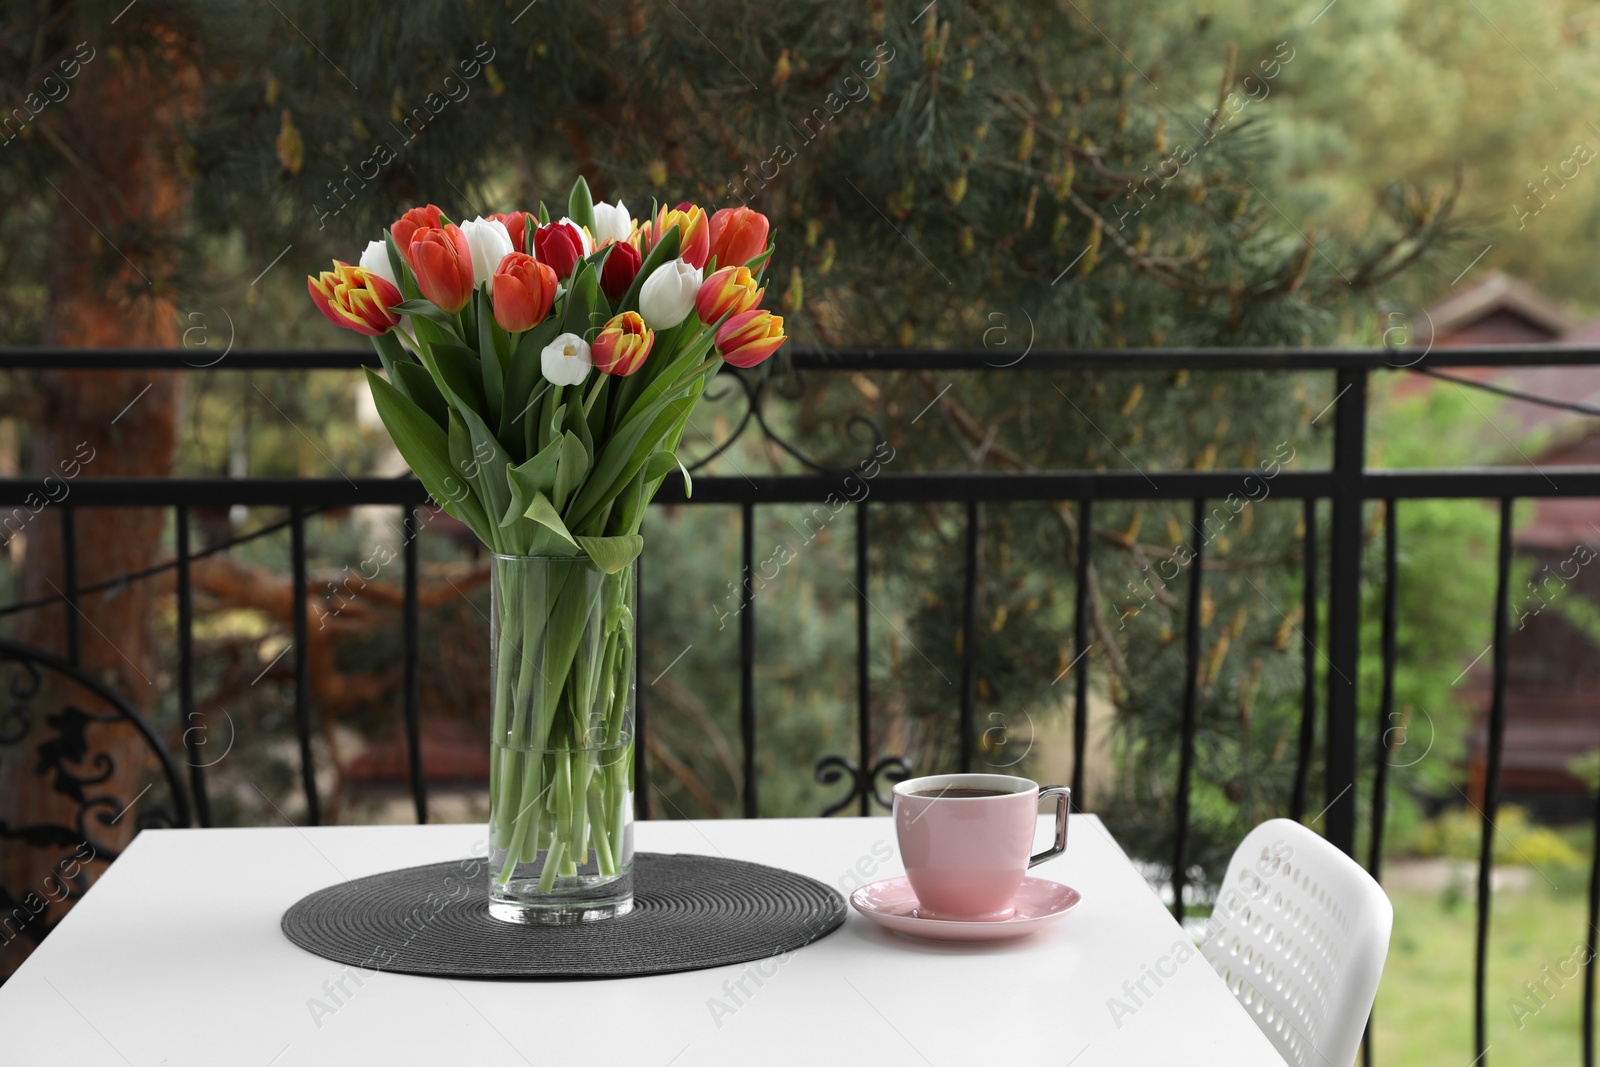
pixel 1347 485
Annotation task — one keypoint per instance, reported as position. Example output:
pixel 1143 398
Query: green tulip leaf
pixel 525 380
pixel 625 512
pixel 611 554
pixel 660 465
pixel 431 332
pixel 580 205
pixel 537 475
pixel 583 303
pixel 464 464
pixel 541 511
pixel 397 263
pixel 556 423
pixel 414 380
pixel 426 450
pixel 623 456
pixel 758 262
pixel 491 460
pixel 577 423
pixel 390 349
pixel 455 368
pixel 492 368
pixel 628 510
pixel 572 469
pixel 426 309
pixel 390 360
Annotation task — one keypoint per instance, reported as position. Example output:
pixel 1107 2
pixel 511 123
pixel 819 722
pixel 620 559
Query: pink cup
pixel 966 856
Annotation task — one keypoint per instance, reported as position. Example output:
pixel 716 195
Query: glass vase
pixel 561 750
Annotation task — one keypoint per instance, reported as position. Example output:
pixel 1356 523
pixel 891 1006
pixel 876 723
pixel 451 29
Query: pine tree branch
pixel 1146 264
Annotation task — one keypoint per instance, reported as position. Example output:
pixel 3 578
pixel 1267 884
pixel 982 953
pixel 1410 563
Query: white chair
pixel 1299 934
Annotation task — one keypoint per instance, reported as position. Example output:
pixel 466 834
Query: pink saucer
pixel 891 904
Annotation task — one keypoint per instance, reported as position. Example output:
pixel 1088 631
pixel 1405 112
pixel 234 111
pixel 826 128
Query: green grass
pixel 1423 1017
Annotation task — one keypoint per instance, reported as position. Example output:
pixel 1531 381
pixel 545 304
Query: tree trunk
pixel 119 203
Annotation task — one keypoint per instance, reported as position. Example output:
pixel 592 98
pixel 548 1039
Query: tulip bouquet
pixel 537 377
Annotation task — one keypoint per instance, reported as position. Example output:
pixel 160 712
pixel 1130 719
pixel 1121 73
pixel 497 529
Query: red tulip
pixel 730 289
pixel 622 345
pixel 524 290
pixel 418 218
pixel 516 223
pixel 750 337
pixel 443 264
pixel 355 298
pixel 694 234
pixel 622 267
pixel 559 244
pixel 738 235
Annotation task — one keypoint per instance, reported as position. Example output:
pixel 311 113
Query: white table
pixel 175 959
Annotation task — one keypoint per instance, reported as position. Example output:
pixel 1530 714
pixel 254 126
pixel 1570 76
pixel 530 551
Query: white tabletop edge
pixel 175 958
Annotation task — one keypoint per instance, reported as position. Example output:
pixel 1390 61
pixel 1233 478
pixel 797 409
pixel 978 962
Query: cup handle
pixel 1063 798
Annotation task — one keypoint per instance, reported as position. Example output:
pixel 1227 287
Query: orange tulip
pixel 694 233
pixel 516 223
pixel 524 290
pixel 406 227
pixel 355 298
pixel 750 337
pixel 729 290
pixel 622 345
pixel 738 235
pixel 443 264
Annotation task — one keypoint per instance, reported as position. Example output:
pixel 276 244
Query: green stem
pixel 562 691
pixel 597 818
pixel 563 821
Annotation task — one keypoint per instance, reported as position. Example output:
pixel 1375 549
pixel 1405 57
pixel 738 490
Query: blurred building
pixel 1553 675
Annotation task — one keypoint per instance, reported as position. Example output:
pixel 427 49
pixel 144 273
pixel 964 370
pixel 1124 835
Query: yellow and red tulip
pixel 622 345
pixel 694 233
pixel 731 290
pixel 355 298
pixel 407 225
pixel 750 337
pixel 738 235
pixel 442 261
pixel 524 290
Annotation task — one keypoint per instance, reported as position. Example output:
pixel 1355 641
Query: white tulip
pixel 489 242
pixel 667 296
pixel 612 222
pixel 566 360
pixel 376 259
pixel 583 234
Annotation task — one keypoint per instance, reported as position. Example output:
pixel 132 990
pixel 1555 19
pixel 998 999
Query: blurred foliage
pixel 1506 93
pixel 1458 834
pixel 1444 600
pixel 996 177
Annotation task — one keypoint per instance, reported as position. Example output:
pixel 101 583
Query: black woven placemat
pixel 689 912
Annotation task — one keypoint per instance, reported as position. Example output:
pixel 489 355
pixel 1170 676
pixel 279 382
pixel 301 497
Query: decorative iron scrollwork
pixel 863 783
pixel 66 759
pixel 790 386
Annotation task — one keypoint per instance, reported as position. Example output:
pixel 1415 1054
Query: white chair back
pixel 1299 934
